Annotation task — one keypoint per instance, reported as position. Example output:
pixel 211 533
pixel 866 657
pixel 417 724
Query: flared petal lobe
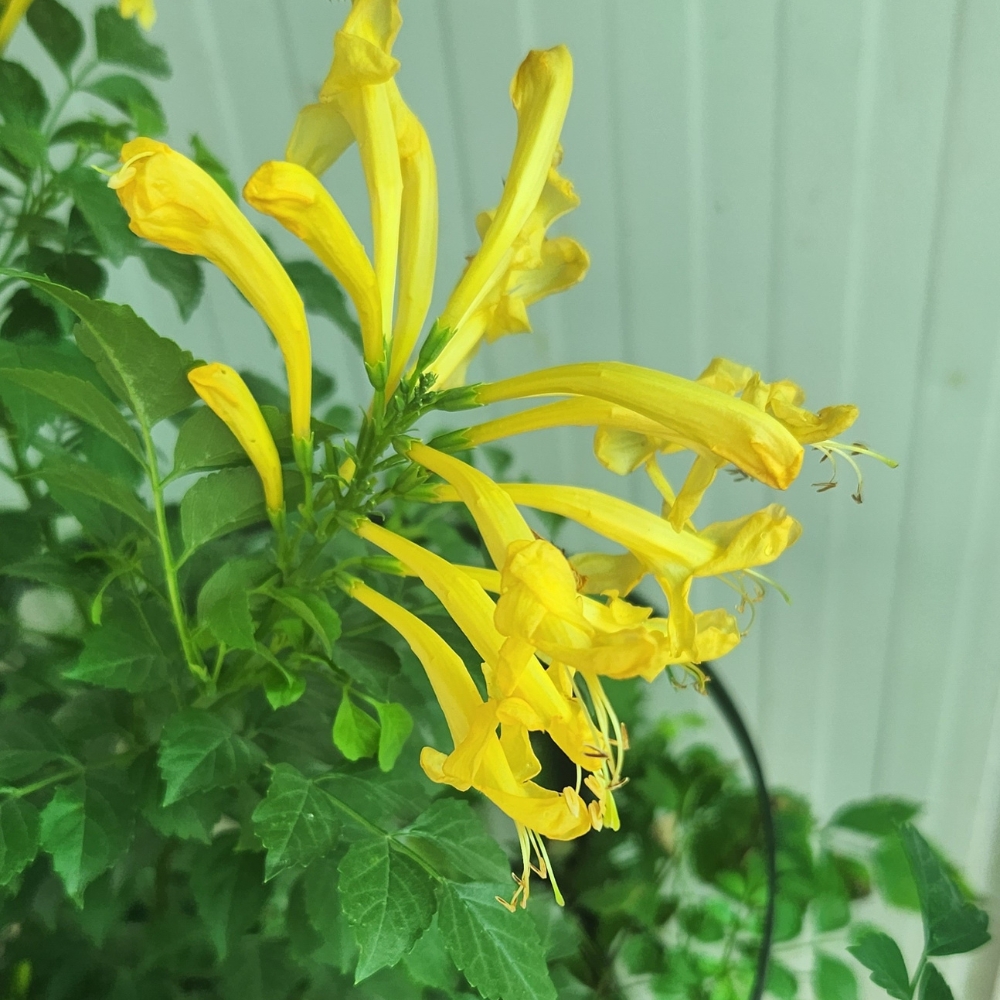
pixel 293 196
pixel 171 201
pixel 227 395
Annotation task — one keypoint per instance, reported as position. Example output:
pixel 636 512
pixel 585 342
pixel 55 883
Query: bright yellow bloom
pixel 293 196
pixel 13 11
pixel 227 395
pixel 538 267
pixel 694 415
pixel 418 233
pixel 170 200
pixel 674 557
pixel 143 10
pixel 540 92
pixel 358 86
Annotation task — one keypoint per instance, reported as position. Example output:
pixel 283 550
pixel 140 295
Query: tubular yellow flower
pixel 320 135
pixel 143 10
pixel 540 92
pixel 293 196
pixel 479 759
pixel 695 415
pixel 13 11
pixel 357 85
pixel 418 233
pixel 172 201
pixel 227 395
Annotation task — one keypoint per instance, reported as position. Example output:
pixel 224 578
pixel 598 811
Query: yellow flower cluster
pixel 556 625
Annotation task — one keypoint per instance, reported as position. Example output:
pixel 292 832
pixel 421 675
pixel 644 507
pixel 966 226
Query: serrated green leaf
pixel 224 602
pixel 22 99
pixel 880 954
pixel 199 751
pixel 314 610
pixel 322 295
pixel 220 503
pixel 86 827
pixel 229 891
pixel 179 274
pixel 213 166
pixel 121 41
pixel 952 925
pixel 282 689
pixel 370 662
pixel 388 899
pixel 833 980
pixel 63 473
pixel 395 726
pixel 192 818
pixel 83 399
pixel 297 821
pixel 499 952
pixel 428 962
pixel 104 214
pixel 877 817
pixel 933 985
pixel 28 741
pixel 146 371
pixel 57 29
pixel 19 831
pixel 453 839
pixel 134 99
pixel 355 733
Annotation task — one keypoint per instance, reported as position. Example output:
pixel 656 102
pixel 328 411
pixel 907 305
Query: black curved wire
pixel 724 702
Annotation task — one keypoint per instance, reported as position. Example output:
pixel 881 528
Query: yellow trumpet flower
pixel 358 86
pixel 320 135
pixel 13 11
pixel 293 196
pixel 540 92
pixel 170 200
pixel 227 395
pixel 143 10
pixel 694 415
pixel 418 233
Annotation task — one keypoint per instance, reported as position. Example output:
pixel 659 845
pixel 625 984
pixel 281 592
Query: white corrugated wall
pixel 808 186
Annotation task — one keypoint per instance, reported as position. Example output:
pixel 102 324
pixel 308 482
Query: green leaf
pixel 395 726
pixel 22 99
pixel 355 733
pixel 499 952
pixel 322 295
pixel 57 29
pixel 28 741
pixel 879 953
pixel 123 653
pixel 205 442
pixel 833 980
pixel 193 818
pixel 370 662
pixel 228 890
pixel 220 503
pixel 64 473
pixel 428 962
pixel 19 830
pixel 877 817
pixel 224 602
pixel 952 925
pixel 199 751
pixel 327 916
pixel 83 399
pixel 179 274
pixel 933 986
pixel 283 689
pixel 452 838
pixel 25 144
pixel 297 822
pixel 86 827
pixel 892 874
pixel 146 371
pixel 213 166
pixel 781 981
pixel 134 99
pixel 103 212
pixel 121 41
pixel 314 610
pixel 388 899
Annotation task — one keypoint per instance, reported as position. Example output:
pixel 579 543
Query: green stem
pixel 916 976
pixel 17 793
pixel 169 564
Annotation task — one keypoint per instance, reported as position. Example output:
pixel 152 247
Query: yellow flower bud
pixel 227 395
